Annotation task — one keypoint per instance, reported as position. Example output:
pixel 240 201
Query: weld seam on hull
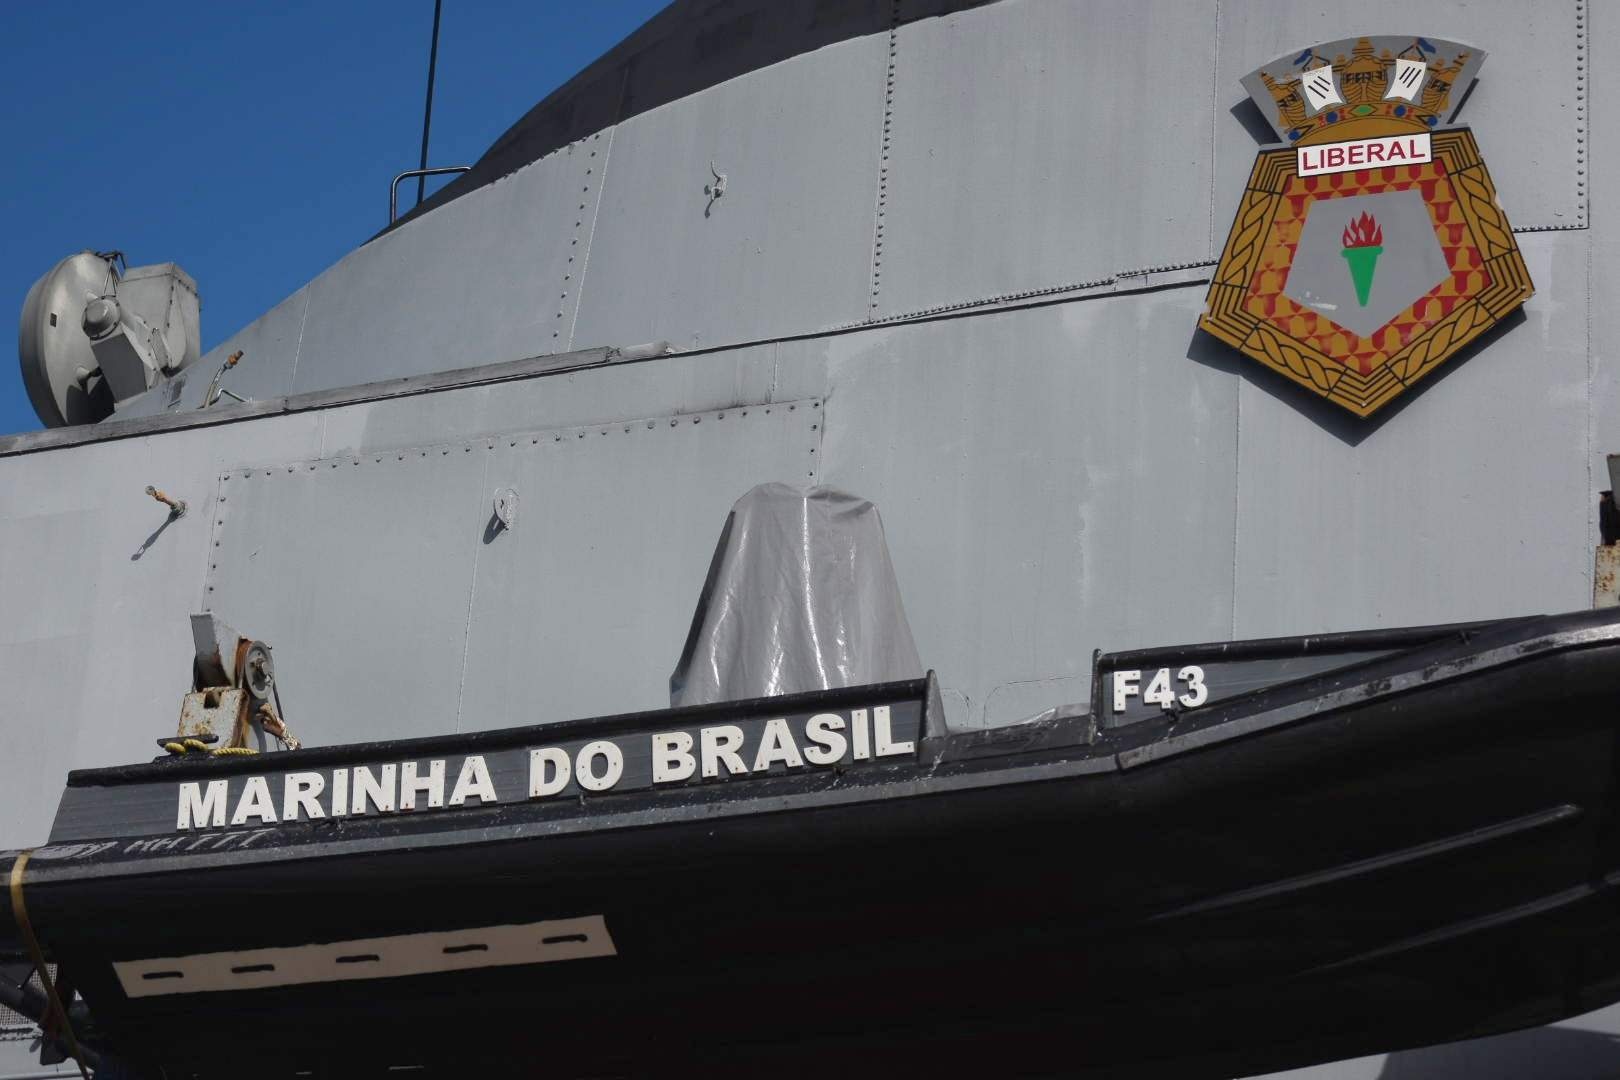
pixel 1465 927
pixel 1417 853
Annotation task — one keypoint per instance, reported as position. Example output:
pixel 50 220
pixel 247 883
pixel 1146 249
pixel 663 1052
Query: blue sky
pixel 250 141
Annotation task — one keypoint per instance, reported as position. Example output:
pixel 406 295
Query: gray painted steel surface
pixel 983 118
pixel 998 128
pixel 931 232
pixel 449 623
pixel 1456 503
pixel 784 251
pixel 483 274
pixel 1031 515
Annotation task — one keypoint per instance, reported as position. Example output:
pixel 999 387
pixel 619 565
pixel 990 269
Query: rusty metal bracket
pixel 213 714
pixel 215 390
pixel 177 507
pixel 232 686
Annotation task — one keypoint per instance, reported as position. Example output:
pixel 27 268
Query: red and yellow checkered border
pixel 1227 318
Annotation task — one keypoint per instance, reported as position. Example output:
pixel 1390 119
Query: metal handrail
pixel 393 189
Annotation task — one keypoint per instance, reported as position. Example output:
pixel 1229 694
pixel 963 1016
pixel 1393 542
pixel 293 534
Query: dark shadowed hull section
pixel 1409 850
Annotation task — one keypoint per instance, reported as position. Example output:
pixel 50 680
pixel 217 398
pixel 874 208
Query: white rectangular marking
pixel 1324 158
pixel 369 958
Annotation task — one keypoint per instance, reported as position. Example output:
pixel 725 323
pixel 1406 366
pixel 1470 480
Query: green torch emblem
pixel 1363 243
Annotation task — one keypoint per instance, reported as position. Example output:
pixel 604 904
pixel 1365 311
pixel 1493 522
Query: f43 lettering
pixel 1160 689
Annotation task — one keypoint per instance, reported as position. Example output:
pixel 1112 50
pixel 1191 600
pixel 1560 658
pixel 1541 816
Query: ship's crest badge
pixel 1368 247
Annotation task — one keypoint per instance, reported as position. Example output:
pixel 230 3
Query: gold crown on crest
pixel 1363 87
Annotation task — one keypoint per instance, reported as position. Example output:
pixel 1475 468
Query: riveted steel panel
pixel 96 583
pixel 1052 481
pixel 1016 162
pixel 1524 110
pixel 582 607
pixel 673 384
pixel 1470 501
pixel 785 250
pixel 1603 246
pixel 358 572
pixel 481 280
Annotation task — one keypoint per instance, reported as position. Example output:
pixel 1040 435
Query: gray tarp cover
pixel 800 596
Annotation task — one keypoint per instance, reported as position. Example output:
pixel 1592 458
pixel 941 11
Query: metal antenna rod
pixel 427 112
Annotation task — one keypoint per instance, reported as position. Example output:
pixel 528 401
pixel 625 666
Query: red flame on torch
pixel 1363 231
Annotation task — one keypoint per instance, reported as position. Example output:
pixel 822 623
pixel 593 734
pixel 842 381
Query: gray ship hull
pixel 957 268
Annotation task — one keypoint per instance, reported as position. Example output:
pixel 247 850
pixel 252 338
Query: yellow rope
pixel 199 746
pixel 19 913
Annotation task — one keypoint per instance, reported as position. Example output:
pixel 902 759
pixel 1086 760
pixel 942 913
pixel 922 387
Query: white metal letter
pixel 255 802
pixel 340 792
pixel 882 739
pixel 199 811
pixel 368 787
pixel 1197 692
pixel 473 780
pixel 776 745
pixel 539 786
pixel 720 744
pixel 830 747
pixel 1158 691
pixel 432 785
pixel 299 792
pixel 1126 683
pixel 587 777
pixel 672 758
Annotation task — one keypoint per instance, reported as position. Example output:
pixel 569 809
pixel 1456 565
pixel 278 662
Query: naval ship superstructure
pixel 951 256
